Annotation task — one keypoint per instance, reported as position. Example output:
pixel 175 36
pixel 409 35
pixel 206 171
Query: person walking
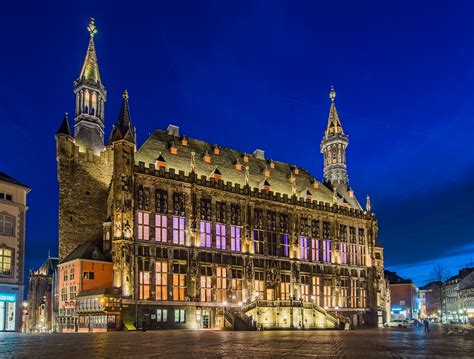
pixel 426 325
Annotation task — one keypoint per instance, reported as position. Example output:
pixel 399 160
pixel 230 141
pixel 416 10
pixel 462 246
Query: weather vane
pixel 332 94
pixel 91 27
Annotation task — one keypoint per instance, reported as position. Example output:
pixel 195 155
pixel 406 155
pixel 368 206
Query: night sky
pixel 256 74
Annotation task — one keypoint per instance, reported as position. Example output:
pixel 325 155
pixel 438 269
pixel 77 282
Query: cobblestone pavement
pixel 370 343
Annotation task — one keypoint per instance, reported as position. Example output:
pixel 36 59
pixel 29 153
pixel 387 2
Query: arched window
pixel 86 101
pixel 7 224
pixel 94 103
pixel 6 255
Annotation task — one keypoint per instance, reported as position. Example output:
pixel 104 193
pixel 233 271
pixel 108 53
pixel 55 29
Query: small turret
pixel 123 129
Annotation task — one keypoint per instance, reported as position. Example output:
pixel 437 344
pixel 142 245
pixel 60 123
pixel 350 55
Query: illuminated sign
pixel 6 297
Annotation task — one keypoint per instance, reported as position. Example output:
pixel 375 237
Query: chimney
pixel 173 130
pixel 259 154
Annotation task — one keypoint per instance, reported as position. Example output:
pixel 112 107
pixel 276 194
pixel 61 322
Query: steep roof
pixel 48 267
pixel 6 178
pixel 65 128
pixel 89 250
pixel 334 123
pixel 394 278
pixel 279 180
pixel 467 282
pixel 90 67
pixel 123 129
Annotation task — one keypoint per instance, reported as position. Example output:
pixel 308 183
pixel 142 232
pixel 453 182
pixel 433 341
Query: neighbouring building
pixel 430 300
pixel 200 235
pixel 84 272
pixel 452 311
pixel 466 297
pixel 403 294
pixel 12 251
pixel 41 297
pixel 383 289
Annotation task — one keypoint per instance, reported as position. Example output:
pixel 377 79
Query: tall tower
pixel 90 99
pixel 333 148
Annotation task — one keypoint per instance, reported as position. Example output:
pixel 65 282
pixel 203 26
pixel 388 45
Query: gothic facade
pixel 205 236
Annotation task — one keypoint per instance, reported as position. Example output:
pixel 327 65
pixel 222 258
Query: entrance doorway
pixel 205 319
pixel 7 312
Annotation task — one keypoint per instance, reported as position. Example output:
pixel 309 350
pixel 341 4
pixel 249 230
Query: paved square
pixel 370 343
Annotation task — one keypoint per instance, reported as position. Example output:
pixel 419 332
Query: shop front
pixel 7 312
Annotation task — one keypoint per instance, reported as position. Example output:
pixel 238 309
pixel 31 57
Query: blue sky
pixel 256 74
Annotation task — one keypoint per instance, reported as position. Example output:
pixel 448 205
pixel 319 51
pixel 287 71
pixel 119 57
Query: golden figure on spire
pixel 91 27
pixel 332 94
pixel 125 94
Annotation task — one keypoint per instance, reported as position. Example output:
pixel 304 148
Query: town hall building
pixel 203 236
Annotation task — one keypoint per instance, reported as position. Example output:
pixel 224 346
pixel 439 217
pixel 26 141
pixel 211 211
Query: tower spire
pixel 123 129
pixel 333 147
pixel 90 100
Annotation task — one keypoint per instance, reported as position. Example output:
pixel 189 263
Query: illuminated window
pixel 206 240
pixel 235 239
pixel 305 288
pixel 6 224
pixel 143 220
pixel 161 278
pixel 317 289
pixel 5 261
pixel 71 274
pixel 162 315
pixel 343 293
pixel 161 228
pixel 221 285
pixel 284 246
pixel 326 251
pixel 314 250
pixel 343 251
pixel 179 236
pixel 220 236
pixel 285 287
pixel 179 282
pixel 206 284
pixel 327 295
pixel 354 293
pixel 86 102
pixel 259 286
pixel 236 284
pixel 144 284
pixel 94 103
pixel 304 248
pixel 180 315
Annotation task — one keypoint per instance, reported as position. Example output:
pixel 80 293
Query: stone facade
pixel 205 236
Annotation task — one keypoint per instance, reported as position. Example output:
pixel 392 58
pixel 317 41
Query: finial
pixel 332 94
pixel 125 94
pixel 91 27
pixel 66 114
pixel 367 204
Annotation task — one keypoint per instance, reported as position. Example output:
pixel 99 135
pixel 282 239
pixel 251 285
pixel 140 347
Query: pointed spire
pixel 90 68
pixel 65 129
pixel 123 129
pixel 367 204
pixel 334 123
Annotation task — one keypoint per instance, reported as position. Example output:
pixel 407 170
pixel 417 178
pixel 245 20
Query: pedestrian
pixel 426 325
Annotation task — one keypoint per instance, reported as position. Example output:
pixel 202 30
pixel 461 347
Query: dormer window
pixel 184 141
pixel 315 184
pixel 173 149
pixel 272 165
pixel 245 158
pixel 266 172
pixel 207 158
pixel 216 150
pixel 351 193
pixel 216 174
pixel 238 166
pixel 160 161
pixel 296 171
pixel 265 185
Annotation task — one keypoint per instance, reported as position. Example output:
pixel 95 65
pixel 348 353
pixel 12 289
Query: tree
pixel 438 275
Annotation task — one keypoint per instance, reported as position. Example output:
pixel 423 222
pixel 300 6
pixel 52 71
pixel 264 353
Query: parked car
pixel 397 323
